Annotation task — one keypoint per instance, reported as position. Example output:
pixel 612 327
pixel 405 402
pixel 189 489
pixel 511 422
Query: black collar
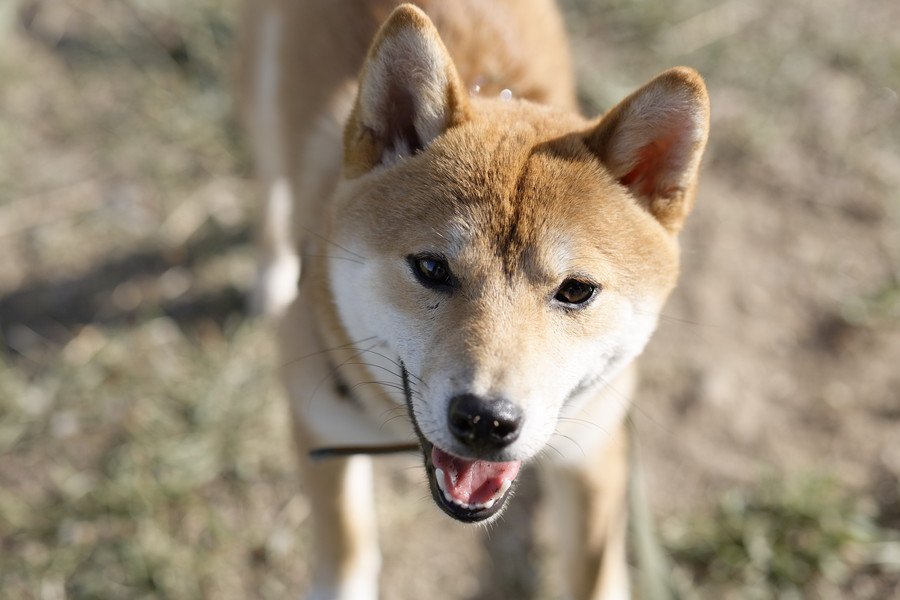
pixel 346 392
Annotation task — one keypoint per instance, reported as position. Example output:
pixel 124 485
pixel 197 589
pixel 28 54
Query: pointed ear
pixel 652 142
pixel 409 93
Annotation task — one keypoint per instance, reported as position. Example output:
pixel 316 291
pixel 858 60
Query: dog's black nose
pixel 484 425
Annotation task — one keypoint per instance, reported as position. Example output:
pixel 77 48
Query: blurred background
pixel 144 448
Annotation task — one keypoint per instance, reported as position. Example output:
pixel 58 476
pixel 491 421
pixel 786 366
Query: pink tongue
pixel 473 481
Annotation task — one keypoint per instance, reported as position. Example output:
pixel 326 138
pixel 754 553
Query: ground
pixel 144 450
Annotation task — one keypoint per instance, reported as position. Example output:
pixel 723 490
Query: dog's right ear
pixel 409 93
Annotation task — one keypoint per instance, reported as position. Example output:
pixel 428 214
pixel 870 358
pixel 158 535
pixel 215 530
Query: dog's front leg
pixel 589 501
pixel 346 559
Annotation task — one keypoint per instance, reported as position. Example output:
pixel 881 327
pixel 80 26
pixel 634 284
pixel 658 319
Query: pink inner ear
pixel 648 176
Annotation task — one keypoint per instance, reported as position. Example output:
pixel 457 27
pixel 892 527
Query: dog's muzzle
pixel 473 489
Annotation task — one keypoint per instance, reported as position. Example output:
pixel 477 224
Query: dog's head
pixel 516 257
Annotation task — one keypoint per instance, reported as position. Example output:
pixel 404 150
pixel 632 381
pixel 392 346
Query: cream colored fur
pixel 386 132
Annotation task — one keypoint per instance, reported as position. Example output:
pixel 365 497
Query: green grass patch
pixel 783 539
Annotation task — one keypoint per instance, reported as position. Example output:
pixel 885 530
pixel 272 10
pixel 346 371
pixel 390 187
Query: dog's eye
pixel 431 271
pixel 575 291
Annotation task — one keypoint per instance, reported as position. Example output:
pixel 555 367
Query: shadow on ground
pixel 122 291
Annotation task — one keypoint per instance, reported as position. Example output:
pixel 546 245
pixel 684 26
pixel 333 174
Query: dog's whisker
pixel 609 385
pixel 674 319
pixel 353 260
pixel 374 366
pixel 584 422
pixel 573 441
pixel 347 346
pixel 333 243
pixel 397 363
pixel 397 394
pixel 391 420
pixel 389 384
pixel 631 403
pixel 555 449
pixel 370 350
pixel 331 373
pixel 391 410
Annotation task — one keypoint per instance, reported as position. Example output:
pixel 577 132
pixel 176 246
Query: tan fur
pixel 593 550
pixel 517 195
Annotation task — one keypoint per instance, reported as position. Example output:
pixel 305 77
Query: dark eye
pixel 575 291
pixel 431 271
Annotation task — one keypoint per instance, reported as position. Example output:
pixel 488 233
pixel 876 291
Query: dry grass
pixel 143 444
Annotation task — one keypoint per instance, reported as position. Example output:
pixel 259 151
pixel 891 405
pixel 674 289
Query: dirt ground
pixel 143 442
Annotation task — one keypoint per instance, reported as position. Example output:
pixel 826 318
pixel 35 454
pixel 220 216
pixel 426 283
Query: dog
pixel 445 237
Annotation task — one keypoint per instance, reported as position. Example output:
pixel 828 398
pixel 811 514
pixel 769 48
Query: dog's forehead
pixel 523 194
pixel 514 192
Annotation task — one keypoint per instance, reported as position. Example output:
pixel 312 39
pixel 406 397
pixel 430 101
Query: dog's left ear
pixel 409 93
pixel 652 143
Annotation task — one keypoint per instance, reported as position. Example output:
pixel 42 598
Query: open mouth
pixel 469 490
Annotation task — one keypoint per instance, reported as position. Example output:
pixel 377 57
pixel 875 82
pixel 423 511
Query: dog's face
pixel 515 258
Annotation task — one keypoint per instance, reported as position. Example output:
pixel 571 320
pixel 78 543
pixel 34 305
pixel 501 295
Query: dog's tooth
pixel 453 476
pixel 489 503
pixel 439 477
pixel 507 483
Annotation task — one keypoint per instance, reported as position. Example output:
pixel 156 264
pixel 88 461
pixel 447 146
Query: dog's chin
pixel 484 499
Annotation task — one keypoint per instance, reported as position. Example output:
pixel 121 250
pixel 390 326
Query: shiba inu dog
pixel 471 253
